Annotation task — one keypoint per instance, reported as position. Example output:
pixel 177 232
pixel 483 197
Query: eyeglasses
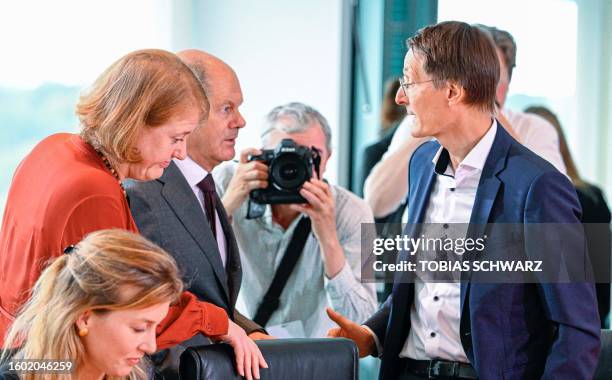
pixel 405 85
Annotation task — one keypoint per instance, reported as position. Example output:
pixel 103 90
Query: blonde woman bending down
pixel 98 306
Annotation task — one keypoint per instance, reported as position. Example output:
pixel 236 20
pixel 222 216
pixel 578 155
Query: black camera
pixel 289 166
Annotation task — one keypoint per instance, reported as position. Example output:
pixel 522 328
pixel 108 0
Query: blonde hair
pixel 143 89
pixel 91 277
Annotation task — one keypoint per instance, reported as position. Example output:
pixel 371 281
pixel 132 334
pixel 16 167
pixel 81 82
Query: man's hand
pixel 248 176
pixel 321 209
pixel 260 336
pixel 349 329
pixel 248 356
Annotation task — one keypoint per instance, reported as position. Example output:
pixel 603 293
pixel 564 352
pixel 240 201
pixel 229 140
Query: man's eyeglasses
pixel 405 85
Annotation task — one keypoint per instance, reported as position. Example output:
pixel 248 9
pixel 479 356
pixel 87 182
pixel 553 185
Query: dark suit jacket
pixel 168 213
pixel 596 215
pixel 508 331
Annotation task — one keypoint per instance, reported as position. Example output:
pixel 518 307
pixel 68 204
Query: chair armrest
pixel 294 359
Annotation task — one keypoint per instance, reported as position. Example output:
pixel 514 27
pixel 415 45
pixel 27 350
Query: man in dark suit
pixel 477 173
pixel 182 213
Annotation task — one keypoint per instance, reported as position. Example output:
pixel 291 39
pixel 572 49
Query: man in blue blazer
pixel 477 173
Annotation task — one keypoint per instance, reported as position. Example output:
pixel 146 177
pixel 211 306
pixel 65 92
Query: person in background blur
pixel 390 116
pixel 391 113
pixel 98 306
pixel 595 212
pixel 328 271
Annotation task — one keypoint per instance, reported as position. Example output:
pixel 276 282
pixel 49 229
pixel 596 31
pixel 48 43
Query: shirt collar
pixel 192 172
pixel 476 158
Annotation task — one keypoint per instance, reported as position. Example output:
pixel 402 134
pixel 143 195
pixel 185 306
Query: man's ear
pixel 324 162
pixel 455 93
pixel 83 321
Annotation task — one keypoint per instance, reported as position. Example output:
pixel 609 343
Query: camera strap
pixel 271 300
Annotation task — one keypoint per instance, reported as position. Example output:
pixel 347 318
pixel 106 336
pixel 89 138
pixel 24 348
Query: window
pixel 54 49
pixel 545 33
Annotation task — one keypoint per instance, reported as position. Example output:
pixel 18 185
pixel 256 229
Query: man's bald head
pixel 214 142
pixel 205 66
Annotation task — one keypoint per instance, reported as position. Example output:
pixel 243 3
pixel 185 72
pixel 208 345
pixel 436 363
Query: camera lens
pixel 289 172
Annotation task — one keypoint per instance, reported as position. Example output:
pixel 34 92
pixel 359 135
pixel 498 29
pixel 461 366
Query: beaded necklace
pixel 111 169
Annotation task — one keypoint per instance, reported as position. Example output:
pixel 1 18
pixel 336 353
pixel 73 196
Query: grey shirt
pixel 262 244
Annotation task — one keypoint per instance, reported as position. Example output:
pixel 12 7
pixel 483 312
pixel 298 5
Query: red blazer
pixel 60 192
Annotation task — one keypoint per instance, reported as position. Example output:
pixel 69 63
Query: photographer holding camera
pixel 301 252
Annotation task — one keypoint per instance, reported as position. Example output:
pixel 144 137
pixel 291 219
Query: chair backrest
pixel 294 359
pixel 604 363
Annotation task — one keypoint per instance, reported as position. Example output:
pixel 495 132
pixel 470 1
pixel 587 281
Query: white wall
pixel 564 62
pixel 282 51
pixel 594 127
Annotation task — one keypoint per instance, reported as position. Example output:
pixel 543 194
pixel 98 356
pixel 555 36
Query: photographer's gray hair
pixel 302 117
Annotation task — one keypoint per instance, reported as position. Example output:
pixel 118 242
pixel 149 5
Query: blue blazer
pixel 508 331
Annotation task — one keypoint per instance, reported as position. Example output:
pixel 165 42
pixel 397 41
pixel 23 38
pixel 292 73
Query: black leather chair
pixel 293 359
pixel 604 363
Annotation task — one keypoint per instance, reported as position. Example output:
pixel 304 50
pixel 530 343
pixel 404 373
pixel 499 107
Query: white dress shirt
pixel 194 174
pixel 435 314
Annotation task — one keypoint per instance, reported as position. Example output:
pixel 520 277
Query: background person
pixel 328 271
pixel 391 114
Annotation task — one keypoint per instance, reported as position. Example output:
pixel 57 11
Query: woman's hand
pixel 248 356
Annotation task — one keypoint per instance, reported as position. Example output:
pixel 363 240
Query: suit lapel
pixel 419 199
pixel 182 200
pixel 486 194
pixel 421 183
pixel 417 205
